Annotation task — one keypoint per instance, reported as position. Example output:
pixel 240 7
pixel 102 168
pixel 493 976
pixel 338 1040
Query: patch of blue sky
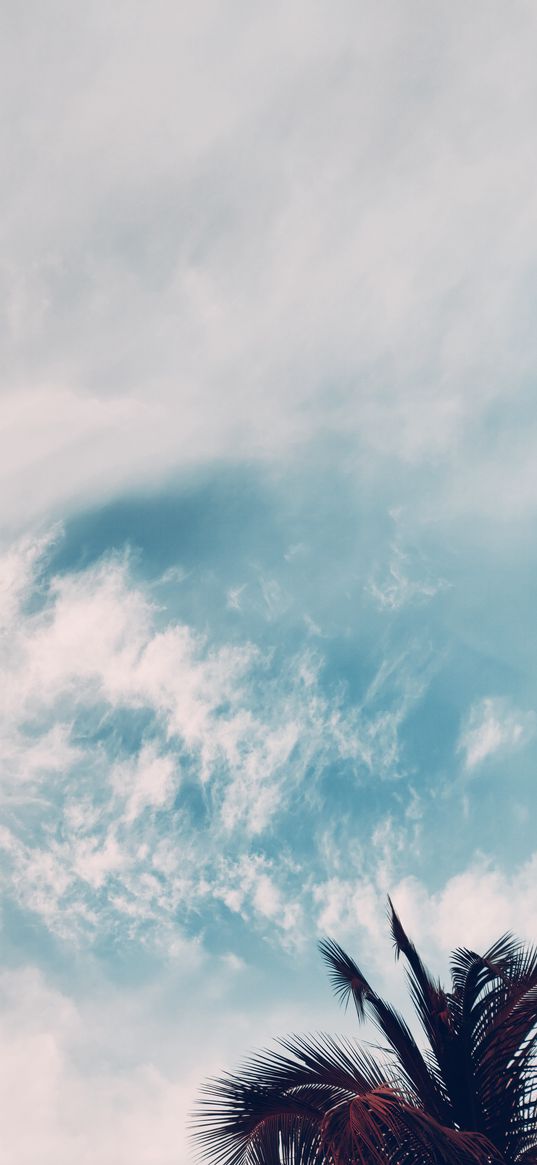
pixel 288 566
pixel 235 562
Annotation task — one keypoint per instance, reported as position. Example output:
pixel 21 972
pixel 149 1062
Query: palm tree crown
pixel 469 1098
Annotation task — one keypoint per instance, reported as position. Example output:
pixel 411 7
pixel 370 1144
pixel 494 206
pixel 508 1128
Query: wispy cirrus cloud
pixel 160 764
pixel 494 727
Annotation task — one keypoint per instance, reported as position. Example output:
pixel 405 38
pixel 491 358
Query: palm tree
pixel 469 1098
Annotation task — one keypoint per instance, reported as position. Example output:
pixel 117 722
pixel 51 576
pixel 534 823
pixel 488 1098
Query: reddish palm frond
pixel 469 1098
pixel 237 1112
pixel 507 1074
pixel 380 1127
pixel 347 980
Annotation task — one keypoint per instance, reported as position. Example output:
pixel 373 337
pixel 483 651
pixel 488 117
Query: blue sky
pixel 267 531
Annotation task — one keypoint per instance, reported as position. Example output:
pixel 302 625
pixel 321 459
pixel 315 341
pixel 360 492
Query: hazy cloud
pixel 225 237
pixel 492 727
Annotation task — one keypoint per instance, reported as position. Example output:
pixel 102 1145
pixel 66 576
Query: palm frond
pixel 497 960
pixel 469 1098
pixel 380 1129
pixel 237 1120
pixel 254 1110
pixel 428 996
pixel 345 976
pixel 348 981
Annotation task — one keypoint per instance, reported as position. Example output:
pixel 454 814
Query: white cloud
pixel 473 908
pixel 118 842
pixel 250 887
pixel 110 1075
pixel 493 727
pixel 75 1084
pixel 346 905
pixel 185 282
pixel 25 759
pixel 146 782
pixel 20 560
pixel 399 586
pixel 234 597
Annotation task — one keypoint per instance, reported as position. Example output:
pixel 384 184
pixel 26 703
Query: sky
pixel 268 436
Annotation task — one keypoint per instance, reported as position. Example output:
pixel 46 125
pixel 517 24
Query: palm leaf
pixel 346 978
pixel 379 1128
pixel 416 1074
pixel 469 1098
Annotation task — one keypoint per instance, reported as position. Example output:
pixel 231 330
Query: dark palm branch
pixel 468 1098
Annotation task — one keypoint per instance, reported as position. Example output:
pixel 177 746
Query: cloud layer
pixel 222 242
pixel 144 769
